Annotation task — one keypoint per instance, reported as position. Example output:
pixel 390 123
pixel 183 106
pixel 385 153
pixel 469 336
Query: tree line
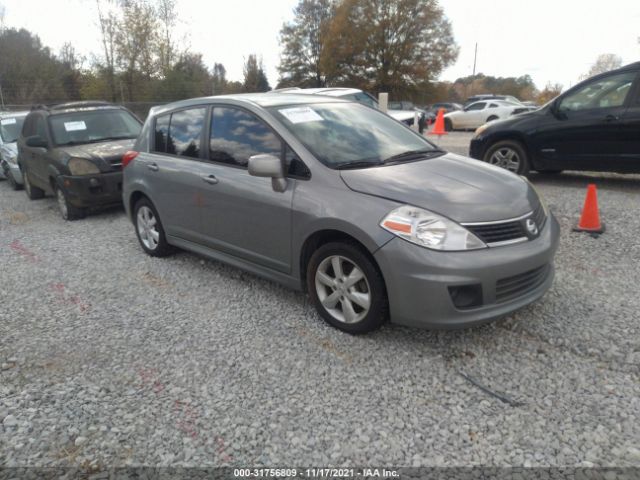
pixel 395 46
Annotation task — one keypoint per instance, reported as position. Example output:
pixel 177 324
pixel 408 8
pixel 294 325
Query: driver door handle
pixel 210 179
pixel 153 167
pixel 611 118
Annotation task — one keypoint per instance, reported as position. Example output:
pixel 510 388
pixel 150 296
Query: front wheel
pixel 492 118
pixel 346 288
pixel 12 181
pixel 149 229
pixel 34 193
pixel 448 125
pixel 510 155
pixel 68 211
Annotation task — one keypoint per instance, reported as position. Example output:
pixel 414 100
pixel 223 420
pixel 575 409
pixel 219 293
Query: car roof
pixel 268 99
pixel 8 114
pixel 330 91
pixel 81 106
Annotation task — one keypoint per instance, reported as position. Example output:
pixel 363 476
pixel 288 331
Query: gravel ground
pixel 110 358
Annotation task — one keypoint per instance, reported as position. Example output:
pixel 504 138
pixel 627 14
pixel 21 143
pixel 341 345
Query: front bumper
pixel 477 147
pixel 418 279
pixel 92 190
pixel 12 169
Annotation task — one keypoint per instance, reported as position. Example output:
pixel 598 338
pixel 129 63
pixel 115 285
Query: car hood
pixel 111 151
pixel 457 187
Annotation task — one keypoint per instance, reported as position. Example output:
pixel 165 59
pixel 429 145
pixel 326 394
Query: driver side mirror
pixel 36 141
pixel 265 165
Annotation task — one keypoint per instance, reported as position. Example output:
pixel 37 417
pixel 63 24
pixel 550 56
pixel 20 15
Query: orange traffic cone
pixel 590 219
pixel 438 128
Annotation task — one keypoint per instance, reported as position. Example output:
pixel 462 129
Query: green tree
pixel 29 71
pixel 219 79
pixel 255 80
pixel 302 44
pixel 388 45
pixel 188 78
pixel 70 71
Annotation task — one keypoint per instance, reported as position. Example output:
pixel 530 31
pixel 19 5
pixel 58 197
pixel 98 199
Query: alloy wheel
pixel 343 289
pixel 148 228
pixel 506 158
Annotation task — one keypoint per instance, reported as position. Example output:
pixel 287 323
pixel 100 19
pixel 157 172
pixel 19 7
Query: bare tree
pixel 604 63
pixel 108 23
pixel 2 12
pixel 166 12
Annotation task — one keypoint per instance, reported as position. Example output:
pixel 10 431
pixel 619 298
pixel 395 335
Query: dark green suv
pixel 74 150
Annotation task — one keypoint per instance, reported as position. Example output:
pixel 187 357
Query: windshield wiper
pixel 414 154
pixel 359 164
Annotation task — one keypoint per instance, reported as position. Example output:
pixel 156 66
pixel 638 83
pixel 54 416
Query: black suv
pixel 594 126
pixel 74 150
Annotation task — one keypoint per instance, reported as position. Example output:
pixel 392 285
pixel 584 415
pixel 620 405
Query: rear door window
pixel 185 132
pixel 180 133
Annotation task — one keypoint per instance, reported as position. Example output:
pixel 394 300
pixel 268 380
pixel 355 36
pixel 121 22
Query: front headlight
pixel 540 197
pixel 480 129
pixel 82 166
pixel 429 230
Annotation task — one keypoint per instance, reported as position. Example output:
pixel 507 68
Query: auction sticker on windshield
pixel 8 121
pixel 75 126
pixel 301 115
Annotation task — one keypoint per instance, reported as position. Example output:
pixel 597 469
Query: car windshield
pixel 350 134
pixel 10 128
pixel 90 126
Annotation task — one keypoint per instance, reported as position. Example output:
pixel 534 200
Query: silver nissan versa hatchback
pixel 340 200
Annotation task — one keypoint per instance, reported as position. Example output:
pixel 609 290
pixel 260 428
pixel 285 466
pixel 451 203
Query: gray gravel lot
pixel 111 358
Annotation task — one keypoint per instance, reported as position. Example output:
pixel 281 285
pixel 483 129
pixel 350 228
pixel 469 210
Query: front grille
pixel 495 233
pixel 517 285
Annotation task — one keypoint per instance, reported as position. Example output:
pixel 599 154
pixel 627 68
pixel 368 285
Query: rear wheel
pixel 68 211
pixel 510 155
pixel 149 229
pixel 346 288
pixel 34 193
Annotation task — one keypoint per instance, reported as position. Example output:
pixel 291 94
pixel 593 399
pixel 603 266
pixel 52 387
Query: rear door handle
pixel 210 179
pixel 153 167
pixel 611 118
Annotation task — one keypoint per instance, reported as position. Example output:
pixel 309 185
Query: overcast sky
pixel 551 40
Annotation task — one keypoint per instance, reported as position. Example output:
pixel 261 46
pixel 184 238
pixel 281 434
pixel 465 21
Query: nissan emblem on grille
pixel 532 228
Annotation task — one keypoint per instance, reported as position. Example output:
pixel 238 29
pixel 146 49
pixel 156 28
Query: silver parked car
pixel 342 201
pixel 10 128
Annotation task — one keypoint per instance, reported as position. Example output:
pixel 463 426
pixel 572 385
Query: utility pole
pixel 475 57
pixel 1 98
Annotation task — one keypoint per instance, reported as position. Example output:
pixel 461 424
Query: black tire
pixel 492 118
pixel 68 211
pixel 34 193
pixel 371 284
pixel 162 249
pixel 506 145
pixel 448 126
pixel 12 181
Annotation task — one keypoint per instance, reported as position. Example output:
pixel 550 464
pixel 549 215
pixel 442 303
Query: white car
pixel 479 113
pixel 353 94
